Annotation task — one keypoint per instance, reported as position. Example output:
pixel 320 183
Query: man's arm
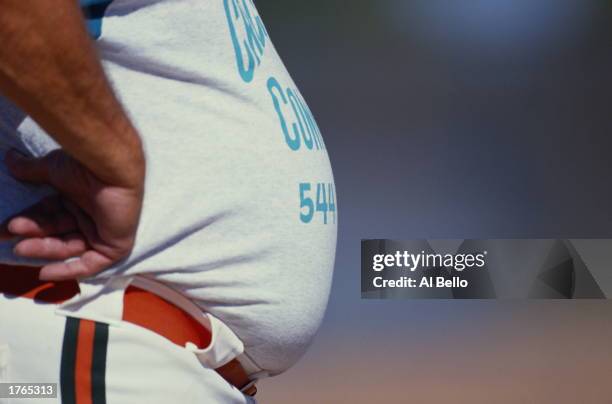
pixel 49 68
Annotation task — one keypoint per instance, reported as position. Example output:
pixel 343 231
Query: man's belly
pixel 232 217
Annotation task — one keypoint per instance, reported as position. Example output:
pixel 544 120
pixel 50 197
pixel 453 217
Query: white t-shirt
pixel 240 210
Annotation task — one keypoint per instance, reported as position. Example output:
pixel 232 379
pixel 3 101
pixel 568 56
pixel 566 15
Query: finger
pixel 26 168
pixel 90 263
pixel 52 248
pixel 37 224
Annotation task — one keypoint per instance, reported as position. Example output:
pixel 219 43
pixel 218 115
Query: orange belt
pixel 140 307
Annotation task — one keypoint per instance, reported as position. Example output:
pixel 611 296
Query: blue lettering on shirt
pixel 248 35
pixel 292 109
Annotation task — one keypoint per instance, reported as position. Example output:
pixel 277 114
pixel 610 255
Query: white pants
pixel 95 362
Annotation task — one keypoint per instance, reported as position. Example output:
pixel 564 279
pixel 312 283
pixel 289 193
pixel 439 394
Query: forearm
pixel 49 67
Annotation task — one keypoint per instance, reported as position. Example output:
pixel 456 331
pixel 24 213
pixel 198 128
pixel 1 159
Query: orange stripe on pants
pixel 84 357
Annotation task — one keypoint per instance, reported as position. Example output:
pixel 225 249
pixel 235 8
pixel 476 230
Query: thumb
pixel 29 169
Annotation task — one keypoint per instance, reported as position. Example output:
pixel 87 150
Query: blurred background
pixel 456 119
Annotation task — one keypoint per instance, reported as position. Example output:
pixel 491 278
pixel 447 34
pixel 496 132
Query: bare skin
pixel 49 68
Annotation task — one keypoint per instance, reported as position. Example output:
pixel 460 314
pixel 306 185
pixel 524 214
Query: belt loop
pixel 224 345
